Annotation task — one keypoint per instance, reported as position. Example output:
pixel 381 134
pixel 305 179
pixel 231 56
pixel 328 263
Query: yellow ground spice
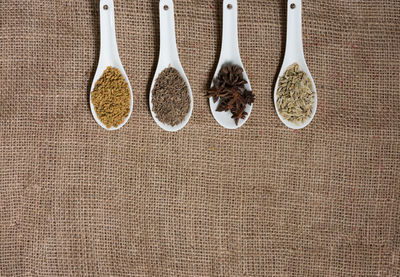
pixel 111 98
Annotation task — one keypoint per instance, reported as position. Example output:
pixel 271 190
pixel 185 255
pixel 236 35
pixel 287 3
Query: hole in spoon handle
pixel 294 40
pixel 230 43
pixel 106 5
pixel 108 41
pixel 168 48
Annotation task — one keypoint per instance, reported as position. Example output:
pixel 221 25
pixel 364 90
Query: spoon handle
pixel 168 46
pixel 108 42
pixel 230 42
pixel 294 41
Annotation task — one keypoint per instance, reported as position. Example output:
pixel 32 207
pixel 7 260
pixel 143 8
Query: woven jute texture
pixel 263 200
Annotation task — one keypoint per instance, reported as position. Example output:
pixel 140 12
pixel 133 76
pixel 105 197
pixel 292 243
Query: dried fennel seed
pixel 111 98
pixel 295 96
pixel 170 97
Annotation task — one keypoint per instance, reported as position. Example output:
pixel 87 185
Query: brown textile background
pixel 263 200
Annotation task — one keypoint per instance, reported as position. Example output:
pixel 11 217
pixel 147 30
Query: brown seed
pixel 170 97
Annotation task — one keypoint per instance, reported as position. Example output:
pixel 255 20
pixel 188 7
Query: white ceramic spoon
pixel 294 54
pixel 108 55
pixel 169 57
pixel 230 54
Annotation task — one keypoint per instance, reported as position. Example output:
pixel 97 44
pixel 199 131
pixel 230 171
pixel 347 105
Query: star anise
pixel 229 89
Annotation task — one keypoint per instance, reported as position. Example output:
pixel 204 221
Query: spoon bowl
pixel 109 56
pixel 230 54
pixel 294 54
pixel 169 57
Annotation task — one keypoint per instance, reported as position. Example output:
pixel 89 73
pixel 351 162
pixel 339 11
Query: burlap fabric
pixel 263 200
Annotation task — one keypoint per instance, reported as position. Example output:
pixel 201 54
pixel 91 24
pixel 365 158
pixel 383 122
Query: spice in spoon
pixel 295 95
pixel 229 88
pixel 170 97
pixel 111 98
